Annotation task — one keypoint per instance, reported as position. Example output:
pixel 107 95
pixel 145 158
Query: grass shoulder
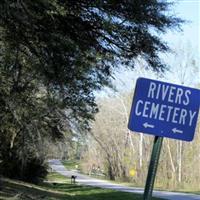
pixel 58 187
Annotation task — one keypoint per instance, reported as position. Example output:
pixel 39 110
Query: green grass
pixel 58 187
pixel 187 191
pixel 71 164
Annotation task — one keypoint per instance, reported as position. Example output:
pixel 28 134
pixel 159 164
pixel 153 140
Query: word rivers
pixel 170 95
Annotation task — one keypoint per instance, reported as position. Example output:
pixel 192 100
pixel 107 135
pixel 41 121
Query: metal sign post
pixel 153 165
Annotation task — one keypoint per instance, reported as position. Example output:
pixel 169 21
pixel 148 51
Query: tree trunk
pixel 110 171
pixel 172 164
pixel 141 150
pixel 180 162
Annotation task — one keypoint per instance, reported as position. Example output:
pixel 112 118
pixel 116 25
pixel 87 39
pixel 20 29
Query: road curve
pixel 57 166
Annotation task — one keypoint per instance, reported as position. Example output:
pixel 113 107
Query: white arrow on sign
pixel 175 130
pixel 146 125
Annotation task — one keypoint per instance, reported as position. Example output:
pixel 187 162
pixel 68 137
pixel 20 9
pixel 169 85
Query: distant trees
pixel 55 54
pixel 118 151
pixel 184 71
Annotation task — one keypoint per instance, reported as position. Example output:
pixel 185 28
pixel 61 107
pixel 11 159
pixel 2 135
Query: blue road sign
pixel 164 109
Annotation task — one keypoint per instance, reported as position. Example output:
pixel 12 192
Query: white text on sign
pixel 167 113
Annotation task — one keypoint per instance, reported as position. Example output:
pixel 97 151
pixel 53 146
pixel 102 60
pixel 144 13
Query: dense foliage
pixel 55 54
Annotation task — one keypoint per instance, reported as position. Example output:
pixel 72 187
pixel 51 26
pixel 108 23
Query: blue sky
pixel 188 10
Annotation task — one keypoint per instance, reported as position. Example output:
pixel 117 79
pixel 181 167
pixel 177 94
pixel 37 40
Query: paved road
pixel 57 166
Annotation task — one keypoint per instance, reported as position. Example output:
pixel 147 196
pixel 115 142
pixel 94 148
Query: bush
pixel 34 169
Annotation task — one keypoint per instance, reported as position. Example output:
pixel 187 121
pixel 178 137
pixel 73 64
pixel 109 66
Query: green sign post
pixel 153 168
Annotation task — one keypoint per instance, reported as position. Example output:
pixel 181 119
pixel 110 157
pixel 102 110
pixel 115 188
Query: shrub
pixel 33 170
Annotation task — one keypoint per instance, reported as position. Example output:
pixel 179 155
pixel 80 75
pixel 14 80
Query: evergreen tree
pixel 71 45
pixel 54 54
